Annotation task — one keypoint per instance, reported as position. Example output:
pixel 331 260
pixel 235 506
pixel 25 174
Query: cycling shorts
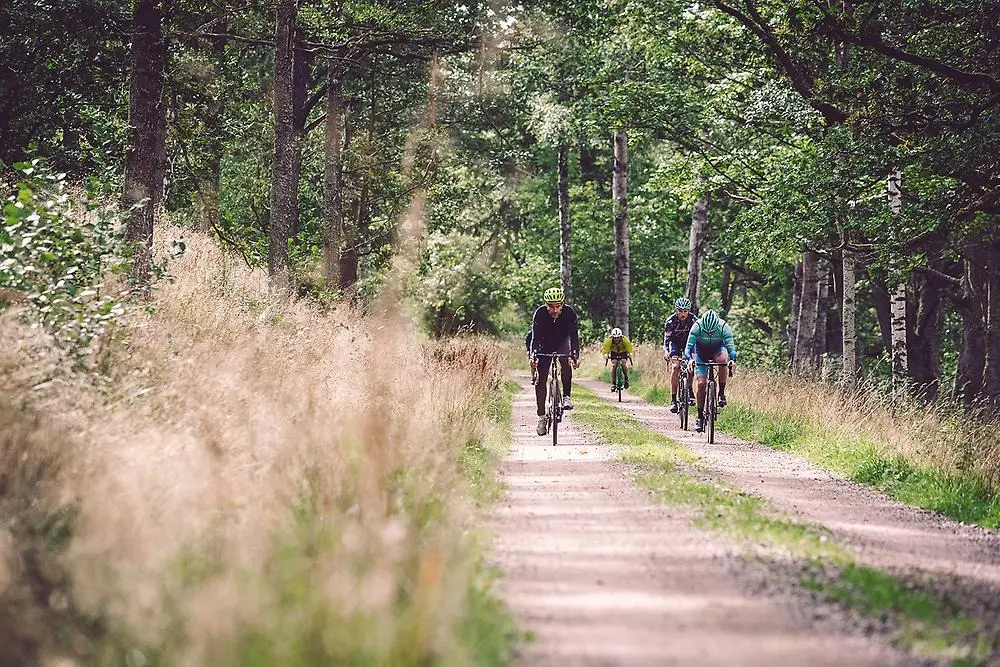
pixel 618 355
pixel 676 349
pixel 704 353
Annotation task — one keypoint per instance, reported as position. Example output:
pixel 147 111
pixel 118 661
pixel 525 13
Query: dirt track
pixel 881 532
pixel 603 576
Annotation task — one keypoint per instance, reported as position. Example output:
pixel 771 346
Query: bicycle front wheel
pixel 619 379
pixel 711 410
pixel 556 409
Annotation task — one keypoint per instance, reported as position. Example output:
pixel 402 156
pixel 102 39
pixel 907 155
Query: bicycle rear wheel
pixel 711 410
pixel 556 409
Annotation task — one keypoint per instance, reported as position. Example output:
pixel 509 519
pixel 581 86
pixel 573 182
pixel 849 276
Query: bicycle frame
pixel 711 405
pixel 618 382
pixel 554 409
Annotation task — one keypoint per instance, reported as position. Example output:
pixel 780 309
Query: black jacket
pixel 550 336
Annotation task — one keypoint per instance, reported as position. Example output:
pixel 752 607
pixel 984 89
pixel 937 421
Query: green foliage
pixel 57 259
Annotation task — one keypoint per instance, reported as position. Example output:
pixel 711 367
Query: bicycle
pixel 617 374
pixel 684 398
pixel 711 409
pixel 554 406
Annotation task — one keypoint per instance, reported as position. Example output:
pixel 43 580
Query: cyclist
pixel 618 348
pixel 675 337
pixel 711 339
pixel 553 331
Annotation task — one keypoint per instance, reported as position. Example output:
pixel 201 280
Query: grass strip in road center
pixel 925 623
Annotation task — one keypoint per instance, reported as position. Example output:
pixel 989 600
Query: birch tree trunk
pixel 696 248
pixel 284 187
pixel 900 373
pixel 808 309
pixel 898 326
pixel 620 195
pixel 333 192
pixel 849 330
pixel 148 58
pixel 565 225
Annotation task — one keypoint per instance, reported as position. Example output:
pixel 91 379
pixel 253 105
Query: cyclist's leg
pixel 723 358
pixel 541 387
pixel 700 379
pixel 614 372
pixel 567 376
pixel 623 361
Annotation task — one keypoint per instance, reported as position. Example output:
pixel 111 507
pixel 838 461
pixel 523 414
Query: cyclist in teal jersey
pixel 711 339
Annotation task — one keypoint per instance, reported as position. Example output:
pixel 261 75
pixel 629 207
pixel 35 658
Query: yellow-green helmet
pixel 554 295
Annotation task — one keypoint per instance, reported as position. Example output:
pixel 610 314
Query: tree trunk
pixel 924 319
pixel 148 60
pixel 333 191
pixel 300 94
pixel 808 310
pixel 696 250
pixel 900 371
pixel 565 225
pixel 881 303
pixel 726 289
pixel 792 333
pixel 620 195
pixel 849 330
pixel 818 346
pixel 284 186
pixel 210 178
pixel 991 366
pixel 970 373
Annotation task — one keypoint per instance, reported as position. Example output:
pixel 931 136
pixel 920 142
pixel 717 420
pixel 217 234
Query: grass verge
pixel 960 497
pixel 924 623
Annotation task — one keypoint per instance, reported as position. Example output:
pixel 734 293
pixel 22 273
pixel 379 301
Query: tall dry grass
pixel 928 436
pixel 254 482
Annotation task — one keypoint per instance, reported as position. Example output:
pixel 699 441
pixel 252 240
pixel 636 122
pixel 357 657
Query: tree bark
pixel 696 250
pixel 900 370
pixel 210 179
pixel 284 186
pixel 923 338
pixel 726 289
pixel 792 333
pixel 565 225
pixel 333 190
pixel 300 93
pixel 620 195
pixel 148 60
pixel 849 331
pixel 970 373
pixel 991 366
pixel 808 310
pixel 818 344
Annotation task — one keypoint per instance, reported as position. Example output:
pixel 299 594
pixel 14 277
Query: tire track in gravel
pixel 603 576
pixel 879 531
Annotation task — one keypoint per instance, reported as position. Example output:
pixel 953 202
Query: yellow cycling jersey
pixel 622 346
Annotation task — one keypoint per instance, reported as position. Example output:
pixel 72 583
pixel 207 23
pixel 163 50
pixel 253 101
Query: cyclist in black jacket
pixel 675 336
pixel 554 331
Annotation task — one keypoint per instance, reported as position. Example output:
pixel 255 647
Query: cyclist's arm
pixel 574 338
pixel 729 342
pixel 666 338
pixel 606 347
pixel 536 333
pixel 627 344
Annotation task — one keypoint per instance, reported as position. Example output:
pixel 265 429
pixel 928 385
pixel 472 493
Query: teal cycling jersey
pixel 706 341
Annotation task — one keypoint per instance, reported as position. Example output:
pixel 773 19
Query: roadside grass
pixel 229 492
pixel 916 457
pixel 924 623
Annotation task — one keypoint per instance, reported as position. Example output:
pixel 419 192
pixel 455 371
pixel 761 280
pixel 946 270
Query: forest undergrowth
pixel 247 482
pixel 933 456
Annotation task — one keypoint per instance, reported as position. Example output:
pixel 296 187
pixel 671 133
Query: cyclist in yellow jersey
pixel 618 348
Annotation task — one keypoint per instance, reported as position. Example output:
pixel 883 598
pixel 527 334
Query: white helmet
pixel 616 333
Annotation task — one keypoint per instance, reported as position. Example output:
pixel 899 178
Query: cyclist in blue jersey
pixel 711 339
